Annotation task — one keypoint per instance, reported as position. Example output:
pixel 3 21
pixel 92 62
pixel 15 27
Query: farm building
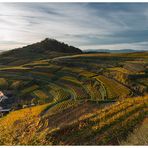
pixel 2 96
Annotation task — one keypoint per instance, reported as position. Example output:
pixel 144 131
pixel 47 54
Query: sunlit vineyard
pixel 71 79
pixel 114 89
pixel 105 125
pixel 86 99
pixel 15 84
pixel 119 69
pixel 29 89
pixel 61 94
pixel 62 106
pixel 3 82
pixel 40 94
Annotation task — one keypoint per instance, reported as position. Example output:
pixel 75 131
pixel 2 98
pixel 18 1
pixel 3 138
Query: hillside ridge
pixel 47 48
pixel 46 44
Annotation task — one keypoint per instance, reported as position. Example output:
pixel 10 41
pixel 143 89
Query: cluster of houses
pixel 2 96
pixel 6 110
pixel 3 111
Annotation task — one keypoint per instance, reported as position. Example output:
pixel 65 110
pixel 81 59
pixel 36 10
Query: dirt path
pixel 139 135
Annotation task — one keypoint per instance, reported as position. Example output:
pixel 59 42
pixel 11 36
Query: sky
pixel 83 25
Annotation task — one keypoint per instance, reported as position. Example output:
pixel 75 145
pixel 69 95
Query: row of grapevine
pixel 78 91
pixel 61 94
pixel 3 82
pixel 40 94
pixel 71 79
pixel 29 89
pixel 62 106
pixel 99 127
pixel 113 88
pixel 87 73
pixel 93 91
pixel 120 69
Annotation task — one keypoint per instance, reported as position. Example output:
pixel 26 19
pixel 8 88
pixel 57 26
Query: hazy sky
pixel 84 25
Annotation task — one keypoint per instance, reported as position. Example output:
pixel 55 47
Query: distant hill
pixel 47 48
pixel 112 51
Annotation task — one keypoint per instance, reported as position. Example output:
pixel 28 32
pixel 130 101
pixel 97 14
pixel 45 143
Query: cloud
pixel 83 25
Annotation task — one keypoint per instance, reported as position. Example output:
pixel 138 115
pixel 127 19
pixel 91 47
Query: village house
pixel 2 96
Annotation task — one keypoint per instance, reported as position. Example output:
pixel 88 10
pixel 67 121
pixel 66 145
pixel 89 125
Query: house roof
pixel 1 94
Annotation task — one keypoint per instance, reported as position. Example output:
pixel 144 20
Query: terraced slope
pixel 105 126
pixel 43 82
pixel 113 88
pixel 84 123
pixel 79 99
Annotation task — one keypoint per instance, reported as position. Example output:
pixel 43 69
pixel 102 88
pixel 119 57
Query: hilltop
pixel 48 48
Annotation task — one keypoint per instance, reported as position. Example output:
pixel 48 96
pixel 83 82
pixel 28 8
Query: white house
pixel 2 96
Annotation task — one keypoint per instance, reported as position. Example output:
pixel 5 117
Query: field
pixel 82 99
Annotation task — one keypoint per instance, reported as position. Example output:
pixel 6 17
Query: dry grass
pixel 139 136
pixel 40 94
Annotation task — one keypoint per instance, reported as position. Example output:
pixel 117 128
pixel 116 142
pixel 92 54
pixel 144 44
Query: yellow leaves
pixel 3 82
pixel 40 94
pixel 82 125
pixel 86 116
pixel 120 69
pixel 22 114
pixel 14 68
pixel 87 73
pixel 29 89
pixel 15 84
pixel 71 79
pixel 61 106
pixel 114 89
pixel 25 126
pixel 19 126
pixel 99 126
